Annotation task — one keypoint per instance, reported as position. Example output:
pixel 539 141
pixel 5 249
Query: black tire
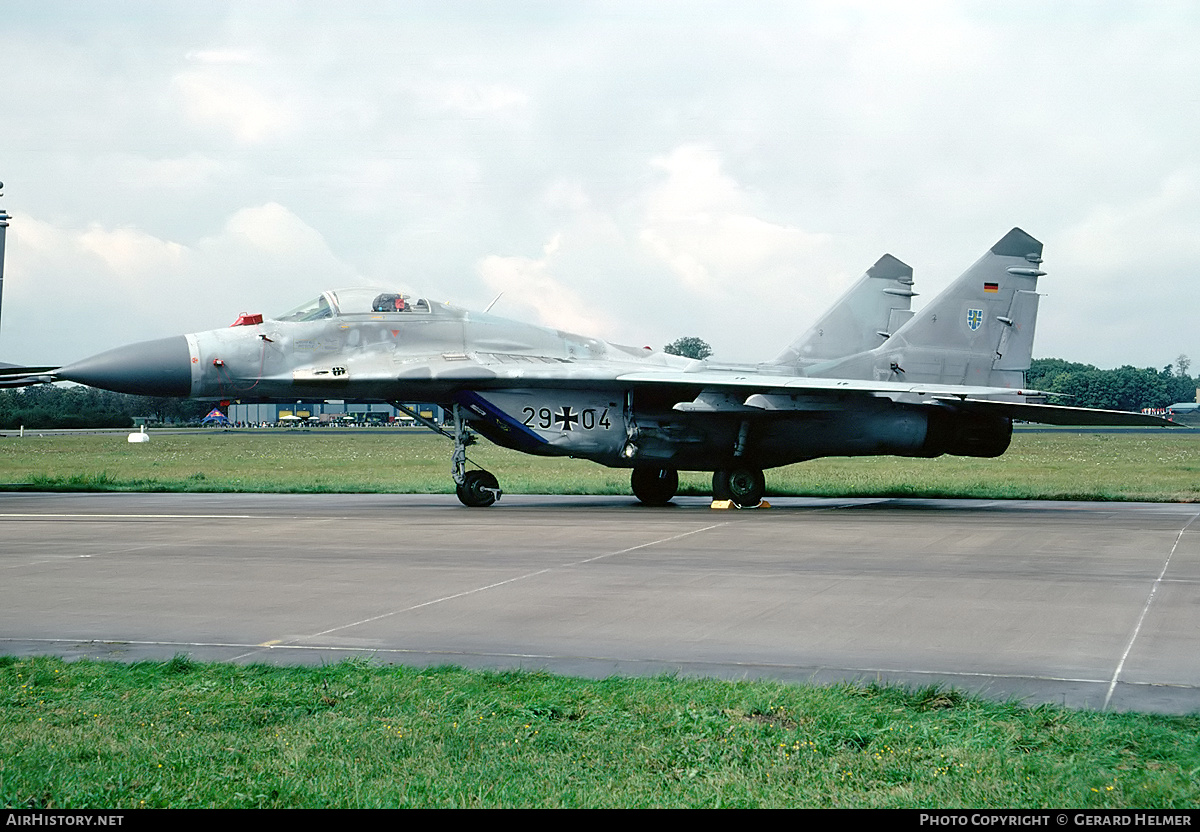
pixel 745 486
pixel 720 489
pixel 654 486
pixel 475 490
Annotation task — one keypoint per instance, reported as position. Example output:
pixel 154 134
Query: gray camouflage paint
pixel 948 380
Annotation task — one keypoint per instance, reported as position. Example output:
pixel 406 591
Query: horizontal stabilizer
pixel 1053 414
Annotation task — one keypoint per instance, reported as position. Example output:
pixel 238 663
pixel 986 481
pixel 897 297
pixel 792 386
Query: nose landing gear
pixel 475 489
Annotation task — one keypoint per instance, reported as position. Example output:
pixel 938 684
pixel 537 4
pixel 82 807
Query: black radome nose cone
pixel 148 368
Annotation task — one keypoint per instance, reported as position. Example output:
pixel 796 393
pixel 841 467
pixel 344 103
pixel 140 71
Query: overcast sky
pixel 636 171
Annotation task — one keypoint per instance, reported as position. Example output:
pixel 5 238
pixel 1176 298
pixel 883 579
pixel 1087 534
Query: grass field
pixel 183 734
pixel 1156 466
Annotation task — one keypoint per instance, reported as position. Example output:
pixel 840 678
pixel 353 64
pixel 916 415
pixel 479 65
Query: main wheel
pixel 654 486
pixel 479 489
pixel 745 486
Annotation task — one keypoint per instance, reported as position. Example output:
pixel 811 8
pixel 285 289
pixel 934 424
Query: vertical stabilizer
pixel 978 331
pixel 872 309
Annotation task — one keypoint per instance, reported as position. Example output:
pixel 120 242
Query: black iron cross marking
pixel 566 417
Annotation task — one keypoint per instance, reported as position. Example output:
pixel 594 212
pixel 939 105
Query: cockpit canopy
pixel 357 301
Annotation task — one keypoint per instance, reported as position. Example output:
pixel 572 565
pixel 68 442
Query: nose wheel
pixel 744 486
pixel 478 489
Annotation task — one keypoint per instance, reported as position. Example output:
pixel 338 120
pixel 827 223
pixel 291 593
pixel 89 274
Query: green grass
pixel 184 734
pixel 1160 466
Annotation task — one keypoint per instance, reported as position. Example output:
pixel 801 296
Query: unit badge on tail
pixel 974 318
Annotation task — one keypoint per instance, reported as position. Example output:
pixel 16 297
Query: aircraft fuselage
pixel 536 390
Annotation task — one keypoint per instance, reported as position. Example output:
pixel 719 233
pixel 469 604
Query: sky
pixel 635 171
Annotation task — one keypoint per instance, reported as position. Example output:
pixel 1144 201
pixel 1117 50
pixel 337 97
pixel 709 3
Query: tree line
pixel 47 406
pixel 1125 388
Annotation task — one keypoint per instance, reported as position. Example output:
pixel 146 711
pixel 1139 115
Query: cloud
pixel 118 285
pixel 713 169
pixel 1121 286
pixel 129 255
pixel 479 99
pixel 243 57
pixel 699 222
pixel 240 107
pixel 267 256
pixel 275 231
pixel 687 255
pixel 530 282
pixel 702 225
pixel 184 173
pixel 1155 231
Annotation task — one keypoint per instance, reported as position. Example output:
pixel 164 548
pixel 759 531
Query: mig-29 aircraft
pixel 869 378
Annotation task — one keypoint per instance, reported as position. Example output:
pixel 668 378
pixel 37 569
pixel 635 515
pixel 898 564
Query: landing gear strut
pixel 654 486
pixel 744 486
pixel 476 489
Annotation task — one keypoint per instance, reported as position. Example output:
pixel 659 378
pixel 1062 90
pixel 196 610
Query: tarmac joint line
pixel 1112 685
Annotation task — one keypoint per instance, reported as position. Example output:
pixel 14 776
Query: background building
pixel 329 412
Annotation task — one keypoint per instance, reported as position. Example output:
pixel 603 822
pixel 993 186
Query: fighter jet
pixel 946 380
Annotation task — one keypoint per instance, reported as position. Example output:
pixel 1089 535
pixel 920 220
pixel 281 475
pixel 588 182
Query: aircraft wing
pixel 800 384
pixel 487 373
pixel 747 384
pixel 960 397
pixel 1054 414
pixel 766 391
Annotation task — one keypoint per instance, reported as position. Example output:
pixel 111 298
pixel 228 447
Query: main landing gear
pixel 475 489
pixel 654 486
pixel 744 486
